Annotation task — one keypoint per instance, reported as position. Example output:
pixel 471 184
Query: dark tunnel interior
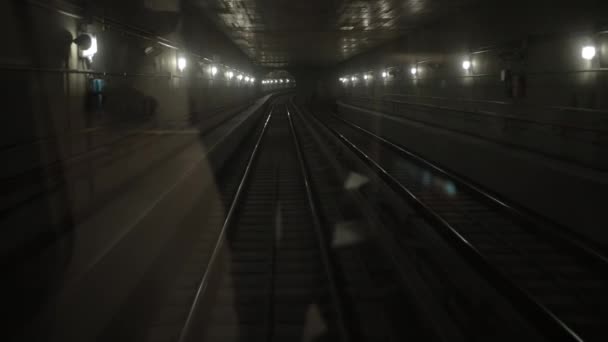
pixel 304 170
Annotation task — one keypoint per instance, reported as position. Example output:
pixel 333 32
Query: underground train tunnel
pixel 304 170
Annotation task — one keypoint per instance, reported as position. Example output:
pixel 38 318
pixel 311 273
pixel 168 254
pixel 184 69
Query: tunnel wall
pixel 72 148
pixel 528 85
pixel 57 121
pixel 539 139
pixel 539 44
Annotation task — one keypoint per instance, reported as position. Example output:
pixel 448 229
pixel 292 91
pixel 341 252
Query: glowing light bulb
pixel 588 52
pixel 466 65
pixel 92 50
pixel 182 63
pixel 414 71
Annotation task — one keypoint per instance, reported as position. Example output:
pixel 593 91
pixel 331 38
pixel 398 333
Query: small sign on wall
pixel 95 98
pixel 97 86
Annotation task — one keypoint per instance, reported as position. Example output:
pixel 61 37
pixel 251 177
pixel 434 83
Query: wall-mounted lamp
pixel 182 63
pixel 466 64
pixel 239 77
pixel 152 51
pixel 87 45
pixel 212 70
pixel 414 71
pixel 229 75
pixel 588 52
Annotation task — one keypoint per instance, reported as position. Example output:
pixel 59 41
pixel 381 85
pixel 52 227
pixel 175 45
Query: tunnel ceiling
pixel 278 33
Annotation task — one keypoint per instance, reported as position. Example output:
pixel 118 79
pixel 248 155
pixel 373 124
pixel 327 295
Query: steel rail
pixel 392 252
pixel 204 283
pixel 524 217
pixel 345 334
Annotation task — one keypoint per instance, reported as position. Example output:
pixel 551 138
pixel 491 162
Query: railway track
pixel 268 277
pixel 290 251
pixel 160 302
pixel 376 286
pixel 429 292
pixel 556 281
pixel 273 267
